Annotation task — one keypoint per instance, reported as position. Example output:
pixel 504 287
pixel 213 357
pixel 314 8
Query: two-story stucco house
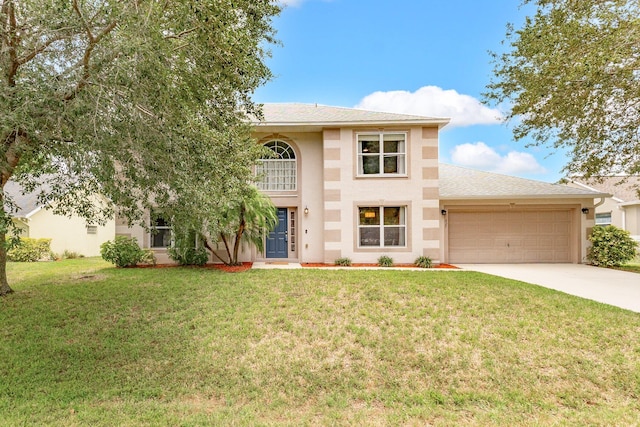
pixel 361 184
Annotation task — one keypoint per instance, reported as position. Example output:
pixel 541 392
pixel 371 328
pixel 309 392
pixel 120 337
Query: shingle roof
pixel 26 203
pixel 462 183
pixel 314 114
pixel 627 191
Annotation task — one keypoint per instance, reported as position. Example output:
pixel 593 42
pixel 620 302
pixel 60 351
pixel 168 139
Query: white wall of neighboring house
pixel 68 233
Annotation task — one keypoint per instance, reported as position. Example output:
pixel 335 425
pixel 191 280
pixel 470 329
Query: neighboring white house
pixel 70 233
pixel 361 184
pixel 622 209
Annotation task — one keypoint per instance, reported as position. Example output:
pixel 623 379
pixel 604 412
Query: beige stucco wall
pixel 632 220
pixel 582 223
pixel 344 192
pixel 69 233
pixel 309 233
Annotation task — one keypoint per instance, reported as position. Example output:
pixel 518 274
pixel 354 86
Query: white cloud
pixel 480 156
pixel 290 2
pixel 464 110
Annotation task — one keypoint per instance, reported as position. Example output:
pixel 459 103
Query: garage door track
pixel 614 287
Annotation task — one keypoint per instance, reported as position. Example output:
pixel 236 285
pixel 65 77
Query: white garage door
pixel 510 236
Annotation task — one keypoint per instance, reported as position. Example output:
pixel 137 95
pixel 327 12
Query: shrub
pixel 611 247
pixel 26 249
pixel 67 254
pixel 385 261
pixel 345 262
pixel 125 252
pixel 189 255
pixel 186 249
pixel 423 262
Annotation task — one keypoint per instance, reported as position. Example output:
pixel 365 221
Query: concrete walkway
pixel 614 287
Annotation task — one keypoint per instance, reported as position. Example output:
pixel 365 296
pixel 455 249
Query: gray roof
pixel 26 203
pixel 321 115
pixel 462 183
pixel 624 188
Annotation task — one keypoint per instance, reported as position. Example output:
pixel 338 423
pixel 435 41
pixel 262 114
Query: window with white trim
pixel 278 173
pixel 382 154
pixel 603 218
pixel 382 226
pixel 160 236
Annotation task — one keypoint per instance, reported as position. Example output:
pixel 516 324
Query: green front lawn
pixel 82 343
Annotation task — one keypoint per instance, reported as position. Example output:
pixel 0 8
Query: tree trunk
pixel 239 232
pixel 4 284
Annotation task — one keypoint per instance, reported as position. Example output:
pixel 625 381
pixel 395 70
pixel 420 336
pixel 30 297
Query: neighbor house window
pixel 603 218
pixel 382 226
pixel 382 154
pixel 92 229
pixel 278 172
pixel 160 232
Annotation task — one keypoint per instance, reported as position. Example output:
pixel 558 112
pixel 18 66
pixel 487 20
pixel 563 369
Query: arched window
pixel 278 172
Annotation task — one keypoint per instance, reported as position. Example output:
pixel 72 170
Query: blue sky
pixel 407 56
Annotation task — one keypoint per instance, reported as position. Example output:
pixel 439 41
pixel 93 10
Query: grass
pixel 633 266
pixel 82 343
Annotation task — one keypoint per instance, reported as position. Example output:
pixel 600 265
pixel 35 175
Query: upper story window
pixel 278 173
pixel 382 154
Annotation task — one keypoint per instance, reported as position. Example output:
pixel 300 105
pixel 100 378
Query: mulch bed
pixel 226 268
pixel 316 264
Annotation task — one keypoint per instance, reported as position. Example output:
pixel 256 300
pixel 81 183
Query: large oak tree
pixel 143 102
pixel 571 79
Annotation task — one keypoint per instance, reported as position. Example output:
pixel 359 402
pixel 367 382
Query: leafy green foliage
pixel 95 94
pixel 571 79
pixel 29 250
pixel 423 262
pixel 125 252
pixel 385 261
pixel 345 262
pixel 187 250
pixel 611 247
pixel 249 219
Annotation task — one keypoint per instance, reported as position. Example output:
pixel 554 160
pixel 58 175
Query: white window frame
pixel 278 173
pixel 400 155
pixel 603 215
pixel 382 226
pixel 163 228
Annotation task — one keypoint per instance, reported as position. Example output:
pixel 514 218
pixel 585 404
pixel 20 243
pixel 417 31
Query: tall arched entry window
pixel 278 172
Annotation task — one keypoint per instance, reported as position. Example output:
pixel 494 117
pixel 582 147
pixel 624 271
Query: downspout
pixel 600 203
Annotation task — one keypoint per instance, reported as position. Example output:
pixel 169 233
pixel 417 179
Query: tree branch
pixel 23 60
pixel 86 58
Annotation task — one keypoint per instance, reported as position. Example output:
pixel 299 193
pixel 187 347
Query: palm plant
pixel 249 219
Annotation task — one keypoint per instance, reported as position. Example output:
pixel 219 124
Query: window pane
pixel 394 236
pixel 161 238
pixel 370 216
pixel 391 164
pixel 603 218
pixel 369 236
pixel 370 164
pixel 393 216
pixel 369 147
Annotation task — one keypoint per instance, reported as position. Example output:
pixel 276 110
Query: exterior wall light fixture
pixel 306 210
pixel 443 212
pixel 585 210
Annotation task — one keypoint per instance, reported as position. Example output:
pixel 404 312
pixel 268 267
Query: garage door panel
pixel 510 236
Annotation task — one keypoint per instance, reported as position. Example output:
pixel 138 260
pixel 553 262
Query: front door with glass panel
pixel 277 241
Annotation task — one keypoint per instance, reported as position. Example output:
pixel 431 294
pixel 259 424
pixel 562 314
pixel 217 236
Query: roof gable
pixel 625 191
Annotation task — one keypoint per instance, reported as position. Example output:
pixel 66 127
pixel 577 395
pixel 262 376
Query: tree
pixel 246 220
pixel 572 80
pixel 137 101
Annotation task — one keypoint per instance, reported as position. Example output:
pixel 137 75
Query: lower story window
pixel 382 226
pixel 603 218
pixel 160 232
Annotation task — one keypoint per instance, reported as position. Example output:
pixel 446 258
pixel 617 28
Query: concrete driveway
pixel 614 287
